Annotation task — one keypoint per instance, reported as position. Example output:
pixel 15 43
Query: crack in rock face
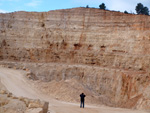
pixel 106 52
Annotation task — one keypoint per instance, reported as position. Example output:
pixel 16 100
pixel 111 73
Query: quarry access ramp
pixel 19 85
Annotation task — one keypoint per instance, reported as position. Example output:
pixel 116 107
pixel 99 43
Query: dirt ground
pixel 19 85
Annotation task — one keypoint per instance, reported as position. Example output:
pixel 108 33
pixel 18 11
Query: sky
pixel 47 5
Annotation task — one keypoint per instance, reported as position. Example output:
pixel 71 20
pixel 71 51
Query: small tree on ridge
pixel 102 6
pixel 140 9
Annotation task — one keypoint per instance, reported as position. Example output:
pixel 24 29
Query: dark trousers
pixel 82 104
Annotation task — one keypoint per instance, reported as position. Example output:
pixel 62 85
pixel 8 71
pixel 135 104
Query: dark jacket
pixel 82 97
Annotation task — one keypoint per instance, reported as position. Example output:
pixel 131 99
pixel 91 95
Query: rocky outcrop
pixel 12 104
pixel 112 87
pixel 107 51
pixel 80 35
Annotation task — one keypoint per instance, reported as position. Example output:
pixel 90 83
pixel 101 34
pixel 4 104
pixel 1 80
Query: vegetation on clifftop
pixel 140 9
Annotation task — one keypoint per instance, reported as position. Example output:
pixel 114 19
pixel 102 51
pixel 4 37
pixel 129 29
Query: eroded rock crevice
pixel 106 52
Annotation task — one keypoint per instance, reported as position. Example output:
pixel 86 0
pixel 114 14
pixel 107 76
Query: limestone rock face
pixel 112 47
pixel 80 35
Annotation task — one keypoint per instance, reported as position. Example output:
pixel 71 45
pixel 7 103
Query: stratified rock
pixel 107 51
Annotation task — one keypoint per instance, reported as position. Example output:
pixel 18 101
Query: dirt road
pixel 16 83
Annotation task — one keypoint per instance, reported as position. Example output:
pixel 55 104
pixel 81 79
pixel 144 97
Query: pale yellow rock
pixel 106 51
pixel 34 110
pixel 3 92
pixel 34 105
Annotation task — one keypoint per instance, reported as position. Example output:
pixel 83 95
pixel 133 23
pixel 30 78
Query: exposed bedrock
pixel 107 51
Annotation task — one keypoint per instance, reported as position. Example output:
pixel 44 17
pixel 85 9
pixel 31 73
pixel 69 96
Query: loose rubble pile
pixel 12 104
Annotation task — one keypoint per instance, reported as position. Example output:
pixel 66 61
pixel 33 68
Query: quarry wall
pixel 110 50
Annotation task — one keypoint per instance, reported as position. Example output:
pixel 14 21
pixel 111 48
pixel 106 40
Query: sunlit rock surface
pixel 109 52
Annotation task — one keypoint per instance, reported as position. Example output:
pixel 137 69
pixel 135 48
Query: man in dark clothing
pixel 82 100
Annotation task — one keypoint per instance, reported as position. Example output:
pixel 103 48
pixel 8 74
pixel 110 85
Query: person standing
pixel 82 96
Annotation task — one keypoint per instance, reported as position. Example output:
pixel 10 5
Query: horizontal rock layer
pixel 80 35
pixel 116 44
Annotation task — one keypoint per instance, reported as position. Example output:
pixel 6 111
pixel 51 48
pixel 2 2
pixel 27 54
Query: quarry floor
pixel 19 85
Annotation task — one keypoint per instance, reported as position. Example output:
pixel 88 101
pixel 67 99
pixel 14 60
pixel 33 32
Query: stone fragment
pixel 3 92
pixel 9 95
pixel 34 110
